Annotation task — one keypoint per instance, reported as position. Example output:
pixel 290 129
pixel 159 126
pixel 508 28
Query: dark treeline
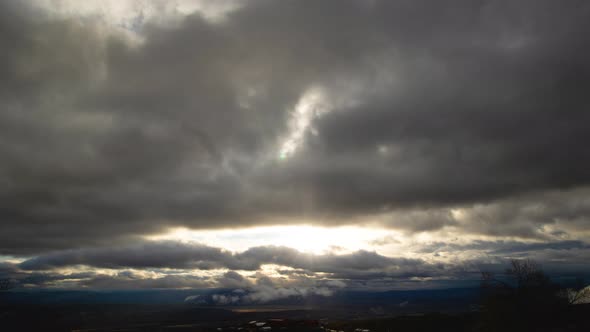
pixel 526 299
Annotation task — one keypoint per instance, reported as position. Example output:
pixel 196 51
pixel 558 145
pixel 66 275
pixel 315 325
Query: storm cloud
pixel 412 116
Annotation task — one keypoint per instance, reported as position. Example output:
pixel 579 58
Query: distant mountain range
pixel 455 299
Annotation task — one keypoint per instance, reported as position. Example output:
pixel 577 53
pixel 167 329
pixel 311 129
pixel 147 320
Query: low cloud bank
pixel 266 291
pixel 169 254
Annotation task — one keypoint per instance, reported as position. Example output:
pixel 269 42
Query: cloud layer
pixel 416 116
pixel 192 256
pixel 263 274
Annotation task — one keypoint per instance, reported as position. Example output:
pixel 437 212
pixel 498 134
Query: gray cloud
pixel 143 255
pixel 505 247
pixel 130 280
pixel 191 256
pixel 555 215
pixel 178 265
pixel 266 290
pixel 232 279
pixel 480 105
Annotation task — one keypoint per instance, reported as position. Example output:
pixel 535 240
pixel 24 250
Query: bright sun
pixel 305 238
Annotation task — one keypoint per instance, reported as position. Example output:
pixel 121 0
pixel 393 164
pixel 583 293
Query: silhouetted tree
pixel 525 298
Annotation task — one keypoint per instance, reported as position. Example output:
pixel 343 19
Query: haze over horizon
pixel 292 147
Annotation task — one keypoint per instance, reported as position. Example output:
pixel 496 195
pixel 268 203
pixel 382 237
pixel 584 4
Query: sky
pixel 291 147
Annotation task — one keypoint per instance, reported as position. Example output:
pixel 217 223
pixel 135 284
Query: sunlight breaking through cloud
pixel 312 104
pixel 305 238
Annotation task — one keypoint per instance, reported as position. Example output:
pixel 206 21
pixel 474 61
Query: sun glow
pixel 305 238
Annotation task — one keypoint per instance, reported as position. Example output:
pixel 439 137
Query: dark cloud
pixel 232 279
pixel 7 269
pixel 190 256
pixel 555 215
pixel 130 280
pixel 479 106
pixel 143 255
pixel 178 265
pixel 505 247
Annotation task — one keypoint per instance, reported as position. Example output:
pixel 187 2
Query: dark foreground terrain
pixel 172 310
pixel 131 317
pixel 187 318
